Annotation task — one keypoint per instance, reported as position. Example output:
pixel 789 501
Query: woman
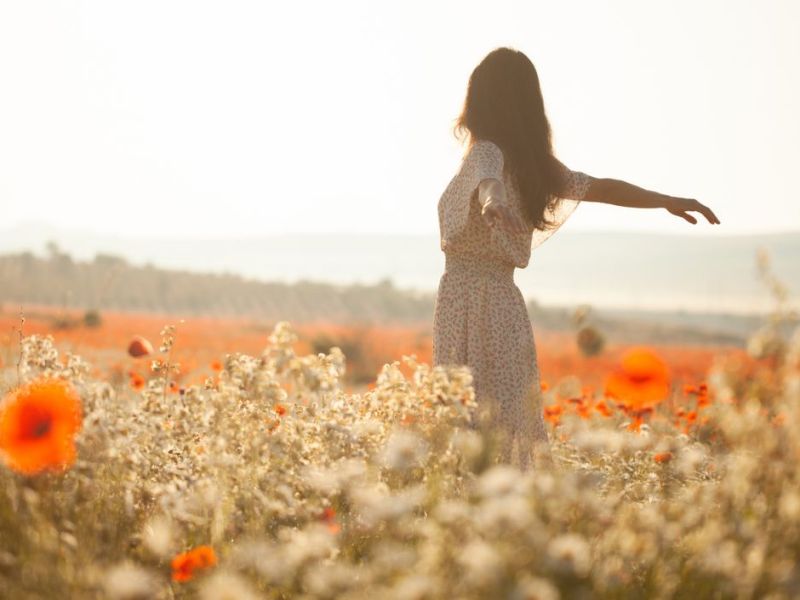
pixel 510 195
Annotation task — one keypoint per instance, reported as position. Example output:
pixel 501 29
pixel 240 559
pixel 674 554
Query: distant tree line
pixel 110 282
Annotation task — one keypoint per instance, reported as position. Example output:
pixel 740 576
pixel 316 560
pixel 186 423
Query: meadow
pixel 232 458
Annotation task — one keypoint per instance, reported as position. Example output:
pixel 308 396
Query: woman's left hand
pixel 681 207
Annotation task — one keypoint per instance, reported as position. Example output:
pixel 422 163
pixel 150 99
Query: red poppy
pixel 641 381
pixel 552 413
pixel 329 517
pixel 38 423
pixel 603 408
pixel 137 381
pixel 139 347
pixel 185 565
pixel 662 457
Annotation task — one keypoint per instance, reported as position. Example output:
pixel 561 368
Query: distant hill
pixel 110 282
pixel 107 281
pixel 691 272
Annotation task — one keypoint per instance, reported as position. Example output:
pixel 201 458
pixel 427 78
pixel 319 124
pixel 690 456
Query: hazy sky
pixel 225 118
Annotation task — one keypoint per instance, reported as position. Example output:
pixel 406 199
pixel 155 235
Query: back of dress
pixel 464 231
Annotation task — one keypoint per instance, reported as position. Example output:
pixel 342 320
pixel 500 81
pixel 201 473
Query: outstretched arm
pixel 622 193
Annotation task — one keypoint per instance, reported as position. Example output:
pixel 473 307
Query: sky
pixel 230 118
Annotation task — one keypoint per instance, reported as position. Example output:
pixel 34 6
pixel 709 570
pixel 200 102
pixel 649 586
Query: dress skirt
pixel 481 320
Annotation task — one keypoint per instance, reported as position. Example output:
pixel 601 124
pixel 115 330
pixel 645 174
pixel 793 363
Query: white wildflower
pixel 227 586
pixel 531 587
pixel 158 536
pixel 403 451
pixel 451 512
pixel 391 556
pixel 127 581
pixel 468 443
pixel 314 542
pixel 374 506
pixel 504 514
pixel 789 505
pixel 482 564
pixel 501 480
pixel 569 553
pixel 330 580
pixel 415 587
pixel 689 459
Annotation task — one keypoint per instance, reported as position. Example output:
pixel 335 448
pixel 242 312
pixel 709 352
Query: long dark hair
pixel 504 105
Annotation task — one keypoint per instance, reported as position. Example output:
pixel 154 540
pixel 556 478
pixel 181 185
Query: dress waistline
pixel 479 264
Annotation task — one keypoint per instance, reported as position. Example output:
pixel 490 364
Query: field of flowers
pixel 204 341
pixel 262 475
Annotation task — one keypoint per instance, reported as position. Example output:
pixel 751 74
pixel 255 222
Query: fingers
pixel 709 215
pixel 499 214
pixel 685 216
pixel 690 204
pixel 705 211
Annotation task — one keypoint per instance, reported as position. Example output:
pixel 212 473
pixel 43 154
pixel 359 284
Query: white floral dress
pixel 480 316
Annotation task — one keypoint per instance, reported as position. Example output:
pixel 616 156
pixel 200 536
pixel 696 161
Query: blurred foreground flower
pixel 186 564
pixel 127 581
pixel 641 382
pixel 38 423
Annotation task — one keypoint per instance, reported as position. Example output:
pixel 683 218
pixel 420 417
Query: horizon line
pixel 256 236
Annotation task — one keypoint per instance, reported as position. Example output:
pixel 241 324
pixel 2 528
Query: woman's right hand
pixel 499 214
pixel 495 209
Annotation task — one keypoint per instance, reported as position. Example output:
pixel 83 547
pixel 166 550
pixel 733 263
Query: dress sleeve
pixel 573 190
pixel 485 161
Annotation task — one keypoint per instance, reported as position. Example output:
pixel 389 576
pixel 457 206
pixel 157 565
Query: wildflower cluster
pixel 270 481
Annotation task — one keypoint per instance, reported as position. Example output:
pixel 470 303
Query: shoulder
pixel 572 184
pixel 486 149
pixel 484 155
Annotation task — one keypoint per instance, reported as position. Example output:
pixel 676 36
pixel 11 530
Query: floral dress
pixel 480 316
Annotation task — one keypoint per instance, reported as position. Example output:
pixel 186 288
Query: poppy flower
pixel 139 347
pixel 216 366
pixel 701 391
pixel 38 423
pixel 186 564
pixel 329 518
pixel 584 409
pixel 662 457
pixel 603 408
pixel 641 381
pixel 552 413
pixel 636 424
pixel 137 381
